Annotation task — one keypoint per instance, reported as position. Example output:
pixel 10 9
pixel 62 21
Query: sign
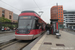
pixel 25 17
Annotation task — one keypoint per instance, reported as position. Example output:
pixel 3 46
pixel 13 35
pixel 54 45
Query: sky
pixel 37 5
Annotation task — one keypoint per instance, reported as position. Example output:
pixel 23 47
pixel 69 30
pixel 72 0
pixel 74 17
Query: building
pixel 57 13
pixel 15 17
pixel 6 13
pixel 69 19
pixel 9 15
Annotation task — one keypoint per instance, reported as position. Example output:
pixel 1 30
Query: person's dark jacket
pixel 47 27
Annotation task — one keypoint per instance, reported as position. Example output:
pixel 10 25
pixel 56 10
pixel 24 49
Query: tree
pixel 2 19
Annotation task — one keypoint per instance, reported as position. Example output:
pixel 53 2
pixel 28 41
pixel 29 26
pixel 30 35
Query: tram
pixel 30 26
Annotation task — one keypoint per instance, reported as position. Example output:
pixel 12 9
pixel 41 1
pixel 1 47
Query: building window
pixel 65 15
pixel 9 16
pixel 59 12
pixel 3 11
pixel 3 15
pixel 70 15
pixel 61 9
pixel 59 17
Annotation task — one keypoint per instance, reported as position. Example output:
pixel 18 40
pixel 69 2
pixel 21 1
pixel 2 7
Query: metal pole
pixel 57 9
pixel 41 12
pixel 57 15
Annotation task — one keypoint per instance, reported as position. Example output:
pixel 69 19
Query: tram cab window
pixel 37 24
pixel 42 26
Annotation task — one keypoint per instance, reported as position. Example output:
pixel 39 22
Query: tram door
pixel 36 27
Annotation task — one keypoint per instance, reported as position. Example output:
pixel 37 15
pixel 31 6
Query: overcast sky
pixel 37 5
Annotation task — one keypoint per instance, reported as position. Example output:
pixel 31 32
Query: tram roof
pixel 28 11
pixel 32 13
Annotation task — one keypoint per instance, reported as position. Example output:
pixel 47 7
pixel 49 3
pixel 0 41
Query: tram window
pixel 25 24
pixel 42 26
pixel 36 24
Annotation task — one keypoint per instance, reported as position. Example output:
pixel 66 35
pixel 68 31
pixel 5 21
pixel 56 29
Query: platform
pixel 50 42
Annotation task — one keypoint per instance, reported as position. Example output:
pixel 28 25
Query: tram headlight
pixel 23 31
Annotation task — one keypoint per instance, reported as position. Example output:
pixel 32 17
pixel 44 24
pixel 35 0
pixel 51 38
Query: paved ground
pixel 67 39
pixel 1 32
pixel 6 34
pixel 6 37
pixel 69 31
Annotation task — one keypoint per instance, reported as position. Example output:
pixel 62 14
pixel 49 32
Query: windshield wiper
pixel 27 26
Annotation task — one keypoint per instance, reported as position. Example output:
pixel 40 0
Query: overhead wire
pixel 36 4
pixel 10 5
pixel 19 9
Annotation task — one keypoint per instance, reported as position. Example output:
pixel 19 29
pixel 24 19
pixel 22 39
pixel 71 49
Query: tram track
pixel 16 44
pixel 8 43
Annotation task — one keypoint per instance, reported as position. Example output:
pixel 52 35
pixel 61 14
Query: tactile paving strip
pixel 48 43
pixel 60 45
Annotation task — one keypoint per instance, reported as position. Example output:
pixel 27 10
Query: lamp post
pixel 41 12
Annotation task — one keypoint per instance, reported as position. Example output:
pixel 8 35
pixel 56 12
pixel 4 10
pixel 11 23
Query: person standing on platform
pixel 51 28
pixel 48 28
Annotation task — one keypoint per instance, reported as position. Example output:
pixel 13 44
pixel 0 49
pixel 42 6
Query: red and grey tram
pixel 30 26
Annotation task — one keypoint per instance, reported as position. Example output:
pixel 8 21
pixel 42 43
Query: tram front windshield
pixel 25 22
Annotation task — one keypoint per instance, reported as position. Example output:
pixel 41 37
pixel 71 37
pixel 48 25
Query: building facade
pixel 57 13
pixel 6 13
pixel 15 17
pixel 69 19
